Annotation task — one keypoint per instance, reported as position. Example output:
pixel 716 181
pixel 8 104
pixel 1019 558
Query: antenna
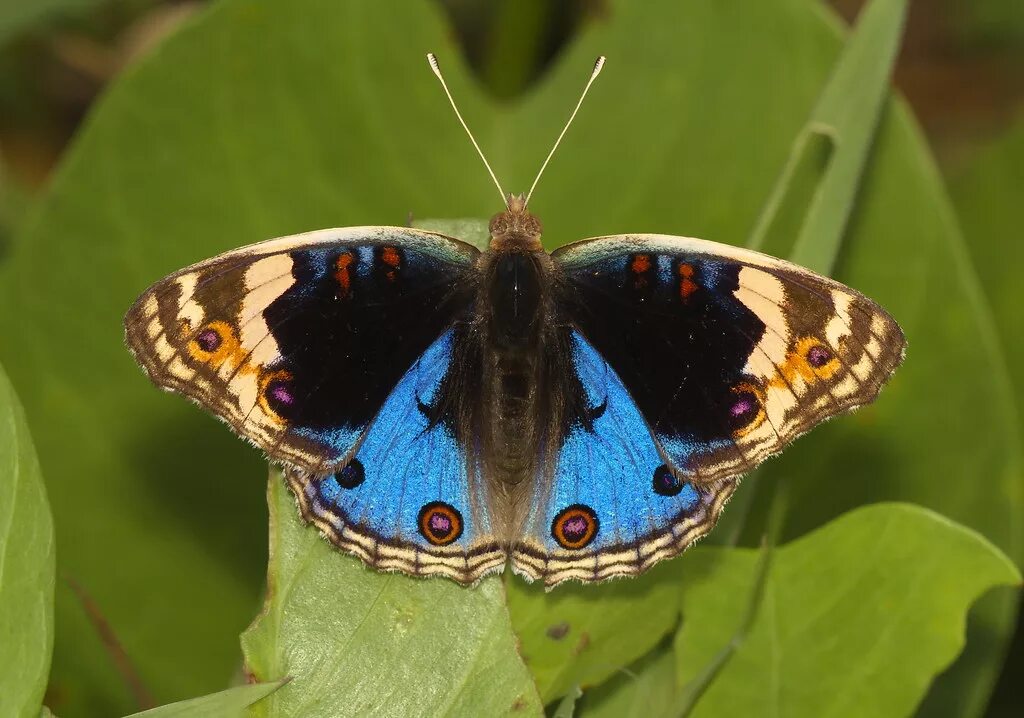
pixel 437 71
pixel 593 76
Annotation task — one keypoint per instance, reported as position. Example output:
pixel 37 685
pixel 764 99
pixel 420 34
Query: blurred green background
pixel 961 68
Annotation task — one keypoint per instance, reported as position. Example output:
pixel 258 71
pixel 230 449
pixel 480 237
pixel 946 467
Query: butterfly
pixel 441 410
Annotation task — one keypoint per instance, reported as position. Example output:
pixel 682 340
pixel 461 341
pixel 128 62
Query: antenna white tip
pixel 432 59
pixel 598 65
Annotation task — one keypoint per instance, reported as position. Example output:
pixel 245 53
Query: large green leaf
pixel 264 118
pixel 26 565
pixel 857 617
pixel 986 193
pixel 579 635
pixel 361 643
pixel 645 690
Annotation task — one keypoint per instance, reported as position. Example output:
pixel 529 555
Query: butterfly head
pixel 515 228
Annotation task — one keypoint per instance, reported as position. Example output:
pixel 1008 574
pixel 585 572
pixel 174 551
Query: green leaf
pixel 580 635
pixel 360 642
pixel 645 690
pixel 857 617
pixel 472 231
pixel 986 194
pixel 26 565
pixel 567 706
pixel 813 197
pixel 231 702
pixel 847 112
pixel 262 118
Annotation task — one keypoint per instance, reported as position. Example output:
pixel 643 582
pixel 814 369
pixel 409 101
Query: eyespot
pixel 276 397
pixel 575 526
pixel 746 409
pixel 821 360
pixel 213 343
pixel 818 356
pixel 209 340
pixel 352 475
pixel 440 523
pixel 665 482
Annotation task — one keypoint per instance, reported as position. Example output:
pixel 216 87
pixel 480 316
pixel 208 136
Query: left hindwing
pixel 728 354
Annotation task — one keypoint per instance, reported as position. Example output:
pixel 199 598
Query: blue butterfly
pixel 443 411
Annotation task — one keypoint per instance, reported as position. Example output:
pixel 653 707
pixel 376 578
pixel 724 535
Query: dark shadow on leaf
pixel 209 481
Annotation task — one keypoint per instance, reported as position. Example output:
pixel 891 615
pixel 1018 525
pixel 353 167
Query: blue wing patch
pixel 409 499
pixel 613 506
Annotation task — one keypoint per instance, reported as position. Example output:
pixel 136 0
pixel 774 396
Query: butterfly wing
pixel 696 361
pixel 297 342
pixel 729 354
pixel 411 499
pixel 612 507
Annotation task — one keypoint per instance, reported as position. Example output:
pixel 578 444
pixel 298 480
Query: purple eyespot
pixel 743 409
pixel 280 393
pixel 818 356
pixel 209 340
pixel 440 523
pixel 575 526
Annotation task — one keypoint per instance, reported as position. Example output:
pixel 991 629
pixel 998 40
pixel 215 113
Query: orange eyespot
pixel 817 359
pixel 440 523
pixel 213 344
pixel 575 526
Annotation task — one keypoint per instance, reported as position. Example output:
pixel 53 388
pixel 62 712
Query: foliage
pixel 230 702
pixel 261 119
pixel 18 16
pixel 986 194
pixel 359 642
pixel 26 565
pixel 848 621
pixel 878 597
